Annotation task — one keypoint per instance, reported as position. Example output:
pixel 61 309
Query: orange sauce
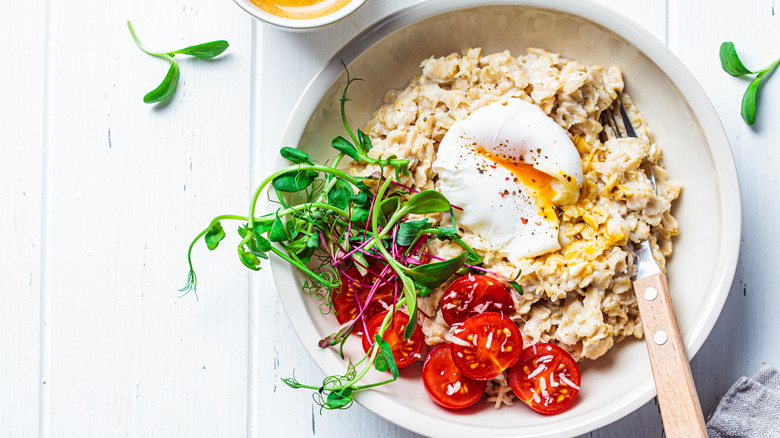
pixel 300 9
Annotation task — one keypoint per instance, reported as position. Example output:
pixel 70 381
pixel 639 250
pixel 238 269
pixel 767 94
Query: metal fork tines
pixel 608 120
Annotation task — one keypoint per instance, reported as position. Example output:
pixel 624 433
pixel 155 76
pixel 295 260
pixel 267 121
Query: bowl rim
pixel 295 24
pixel 658 53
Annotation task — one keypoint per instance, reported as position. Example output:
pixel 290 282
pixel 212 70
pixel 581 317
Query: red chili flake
pixel 506 179
pixel 525 221
pixel 493 166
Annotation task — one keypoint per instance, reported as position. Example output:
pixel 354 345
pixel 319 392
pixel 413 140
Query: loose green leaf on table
pixel 168 85
pixel 203 51
pixel 748 108
pixel 731 64
pixel 730 61
pixel 166 88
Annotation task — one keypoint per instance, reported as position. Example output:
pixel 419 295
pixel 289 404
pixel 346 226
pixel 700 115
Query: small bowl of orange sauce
pixel 300 14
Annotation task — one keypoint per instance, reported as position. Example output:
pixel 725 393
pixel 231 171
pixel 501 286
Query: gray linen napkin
pixel 751 408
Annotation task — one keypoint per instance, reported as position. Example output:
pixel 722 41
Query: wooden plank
pixel 277 351
pixel 128 186
pixel 21 176
pixel 746 332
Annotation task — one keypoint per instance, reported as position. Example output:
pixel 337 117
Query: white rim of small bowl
pixel 659 54
pixel 294 24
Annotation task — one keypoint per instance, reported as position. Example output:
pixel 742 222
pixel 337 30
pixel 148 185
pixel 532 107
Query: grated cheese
pixel 568 382
pixel 536 372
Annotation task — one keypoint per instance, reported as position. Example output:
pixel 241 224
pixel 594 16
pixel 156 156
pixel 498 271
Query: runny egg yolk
pixel 529 176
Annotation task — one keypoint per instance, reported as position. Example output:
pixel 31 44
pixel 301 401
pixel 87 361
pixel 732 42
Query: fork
pixel 677 397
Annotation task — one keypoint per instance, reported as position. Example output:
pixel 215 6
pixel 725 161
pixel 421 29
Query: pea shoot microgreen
pixel 328 220
pixel 168 85
pixel 732 65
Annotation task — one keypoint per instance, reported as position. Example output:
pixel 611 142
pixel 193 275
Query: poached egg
pixel 508 165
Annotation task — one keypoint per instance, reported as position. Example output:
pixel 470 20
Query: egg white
pixel 507 165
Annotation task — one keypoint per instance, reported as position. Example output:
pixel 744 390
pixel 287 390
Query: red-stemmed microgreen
pixel 168 85
pixel 327 221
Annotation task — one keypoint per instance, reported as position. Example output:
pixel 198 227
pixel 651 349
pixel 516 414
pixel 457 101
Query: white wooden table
pixel 100 195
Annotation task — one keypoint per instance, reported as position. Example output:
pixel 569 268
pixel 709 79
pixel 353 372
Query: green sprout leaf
pixel 748 109
pixel 428 201
pixel 205 50
pixel 364 141
pixel 389 205
pixel 278 233
pixel 360 263
pixel 166 88
pixel 424 291
pixel 296 156
pixel 214 235
pixel 384 359
pixel 295 181
pixel 248 259
pixel 341 144
pixel 409 230
pixel 340 195
pixel 434 274
pixel 359 198
pixel 733 66
pixel 412 325
pixel 359 215
pixel 730 61
pixel 340 398
pixel 516 286
pixel 257 244
pixel 262 226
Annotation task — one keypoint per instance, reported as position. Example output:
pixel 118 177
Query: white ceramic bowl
pixel 299 25
pixel 684 123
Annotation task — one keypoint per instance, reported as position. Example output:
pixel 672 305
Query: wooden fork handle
pixel 677 398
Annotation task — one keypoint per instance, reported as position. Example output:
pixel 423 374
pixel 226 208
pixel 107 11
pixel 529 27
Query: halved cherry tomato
pixel 473 294
pixel 405 352
pixel 445 383
pixel 345 299
pixel 546 378
pixel 485 345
